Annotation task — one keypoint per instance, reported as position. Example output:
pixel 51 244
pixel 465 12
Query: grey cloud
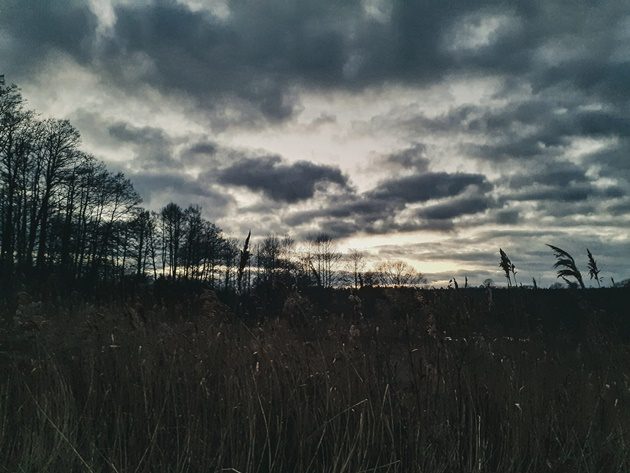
pixel 507 216
pixel 160 163
pixel 203 153
pixel 280 180
pixel 456 208
pixel 153 147
pixel 270 174
pixel 426 186
pixel 613 161
pixel 261 50
pixel 558 173
pixel 620 208
pixel 181 188
pixel 571 193
pixel 158 152
pixel 36 28
pixel 539 126
pixel 137 135
pixel 359 209
pixel 146 183
pixel 380 210
pixel 529 140
pixel 203 148
pixel 414 157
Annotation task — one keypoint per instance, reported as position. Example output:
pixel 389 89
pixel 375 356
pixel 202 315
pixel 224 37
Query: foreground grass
pixel 119 389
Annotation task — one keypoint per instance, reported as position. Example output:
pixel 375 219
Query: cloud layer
pixel 473 123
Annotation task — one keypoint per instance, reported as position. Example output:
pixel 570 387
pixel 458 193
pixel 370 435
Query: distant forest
pixel 63 214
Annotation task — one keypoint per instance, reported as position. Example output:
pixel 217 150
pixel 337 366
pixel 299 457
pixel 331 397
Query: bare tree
pixel 15 146
pixel 398 273
pixel 172 222
pixel 356 265
pixel 143 227
pixel 275 260
pixel 58 148
pixel 323 258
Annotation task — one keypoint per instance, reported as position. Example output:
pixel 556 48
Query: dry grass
pixel 98 389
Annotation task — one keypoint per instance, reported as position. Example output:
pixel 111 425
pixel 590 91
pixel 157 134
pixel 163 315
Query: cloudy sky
pixel 430 131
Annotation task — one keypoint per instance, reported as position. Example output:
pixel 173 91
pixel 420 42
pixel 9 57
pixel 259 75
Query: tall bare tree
pixel 356 261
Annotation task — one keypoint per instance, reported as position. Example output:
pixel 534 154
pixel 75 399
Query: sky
pixel 434 132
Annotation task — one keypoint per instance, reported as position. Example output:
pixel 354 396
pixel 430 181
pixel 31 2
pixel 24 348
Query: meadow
pixel 375 380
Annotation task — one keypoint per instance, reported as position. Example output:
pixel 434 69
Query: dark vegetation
pixel 379 379
pixel 139 341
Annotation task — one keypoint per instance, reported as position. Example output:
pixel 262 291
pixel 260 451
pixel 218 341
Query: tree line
pixel 64 214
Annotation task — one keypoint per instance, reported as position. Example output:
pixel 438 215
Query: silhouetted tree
pixel 15 157
pixel 191 252
pixel 230 254
pixel 142 230
pixel 323 258
pixel 172 223
pixel 275 261
pixel 356 265
pixel 398 273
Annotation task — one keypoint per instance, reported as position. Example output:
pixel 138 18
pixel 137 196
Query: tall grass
pixel 98 390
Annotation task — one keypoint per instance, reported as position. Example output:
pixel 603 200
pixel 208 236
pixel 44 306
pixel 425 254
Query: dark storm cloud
pixel 383 209
pixel 252 58
pixel 279 180
pixel 551 182
pixel 456 208
pixel 156 151
pixel 426 186
pixel 530 141
pixel 531 128
pixel 35 28
pixel 551 129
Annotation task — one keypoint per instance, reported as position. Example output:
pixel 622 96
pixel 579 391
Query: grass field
pixel 385 381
